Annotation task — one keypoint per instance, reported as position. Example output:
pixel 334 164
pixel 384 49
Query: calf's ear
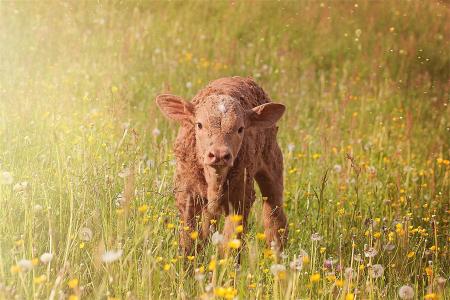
pixel 265 115
pixel 175 108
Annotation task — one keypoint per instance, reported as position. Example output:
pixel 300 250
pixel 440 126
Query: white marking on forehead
pixel 221 107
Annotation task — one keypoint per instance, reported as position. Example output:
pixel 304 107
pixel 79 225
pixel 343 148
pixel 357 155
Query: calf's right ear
pixel 175 108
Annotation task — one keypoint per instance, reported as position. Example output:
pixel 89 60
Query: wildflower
pixel 239 229
pixel 73 297
pixel 188 84
pixel 143 208
pixel 370 252
pixel 39 279
pixel 348 273
pixel 411 254
pixel 297 264
pixel 322 250
pixel 124 173
pixel 316 237
pixel 429 271
pixel 316 155
pixel 431 296
pixel 46 257
pixel 85 234
pixel 170 226
pixel 276 269
pixel 6 178
pixel 35 262
pixel 234 244
pixel 194 235
pixel 166 267
pixel 376 271
pixel 217 238
pixel 156 132
pixel 406 292
pixel 25 265
pixel 20 186
pixel 191 257
pixel 349 296
pixel 236 218
pixel 199 274
pixel 14 269
pixel 339 283
pixel 314 277
pixel 337 168
pixel 261 236
pixel 73 283
pixel 291 147
pixel 212 265
pixel 111 255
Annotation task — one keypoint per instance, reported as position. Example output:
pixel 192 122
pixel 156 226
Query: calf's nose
pixel 219 156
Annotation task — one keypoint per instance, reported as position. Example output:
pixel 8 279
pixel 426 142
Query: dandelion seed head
pixel 111 255
pixel 46 257
pixel 406 292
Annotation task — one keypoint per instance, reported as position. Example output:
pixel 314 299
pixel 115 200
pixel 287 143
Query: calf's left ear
pixel 265 115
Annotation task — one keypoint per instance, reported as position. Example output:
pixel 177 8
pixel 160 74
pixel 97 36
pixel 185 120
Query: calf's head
pixel 220 123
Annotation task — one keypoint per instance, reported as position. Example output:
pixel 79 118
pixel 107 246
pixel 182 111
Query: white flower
pixel 217 238
pixel 337 168
pixel 199 275
pixel 156 132
pixel 188 84
pixel 85 234
pixel 46 257
pixel 370 252
pixel 277 268
pixel 111 255
pixel 376 271
pixel 291 147
pixel 20 186
pixel 348 273
pixel 25 264
pixel 6 178
pixel 124 173
pixel 297 264
pixel 406 292
pixel 316 237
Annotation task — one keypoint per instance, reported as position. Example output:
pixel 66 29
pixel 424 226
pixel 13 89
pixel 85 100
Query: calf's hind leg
pixel 270 182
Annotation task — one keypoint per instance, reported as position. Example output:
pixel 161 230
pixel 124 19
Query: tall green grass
pixel 365 141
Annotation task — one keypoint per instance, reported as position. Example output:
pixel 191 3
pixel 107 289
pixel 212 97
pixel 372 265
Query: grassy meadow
pixel 86 203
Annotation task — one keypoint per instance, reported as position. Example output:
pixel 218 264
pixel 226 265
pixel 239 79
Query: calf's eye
pixel 199 125
pixel 241 129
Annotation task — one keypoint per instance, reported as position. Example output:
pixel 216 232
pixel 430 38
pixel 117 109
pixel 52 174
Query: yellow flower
pixel 35 261
pixel 39 279
pixel 316 156
pixel 159 258
pixel 212 265
pixel 143 208
pixel 377 235
pixel 73 297
pixel 339 283
pixel 314 277
pixel 234 244
pixel 194 235
pixel 322 250
pixel 191 257
pixel 361 267
pixel 252 285
pixel 433 248
pixel 170 226
pixel 261 236
pixel 15 269
pixel 236 218
pixel 114 89
pixel 305 259
pixel 166 267
pixel 431 296
pixel 239 229
pixel 73 283
pixel 411 254
pixel 349 296
pixel 81 245
pixel 429 271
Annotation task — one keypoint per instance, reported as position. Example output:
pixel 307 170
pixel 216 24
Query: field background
pixel 366 82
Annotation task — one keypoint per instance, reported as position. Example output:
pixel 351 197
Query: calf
pixel 227 138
